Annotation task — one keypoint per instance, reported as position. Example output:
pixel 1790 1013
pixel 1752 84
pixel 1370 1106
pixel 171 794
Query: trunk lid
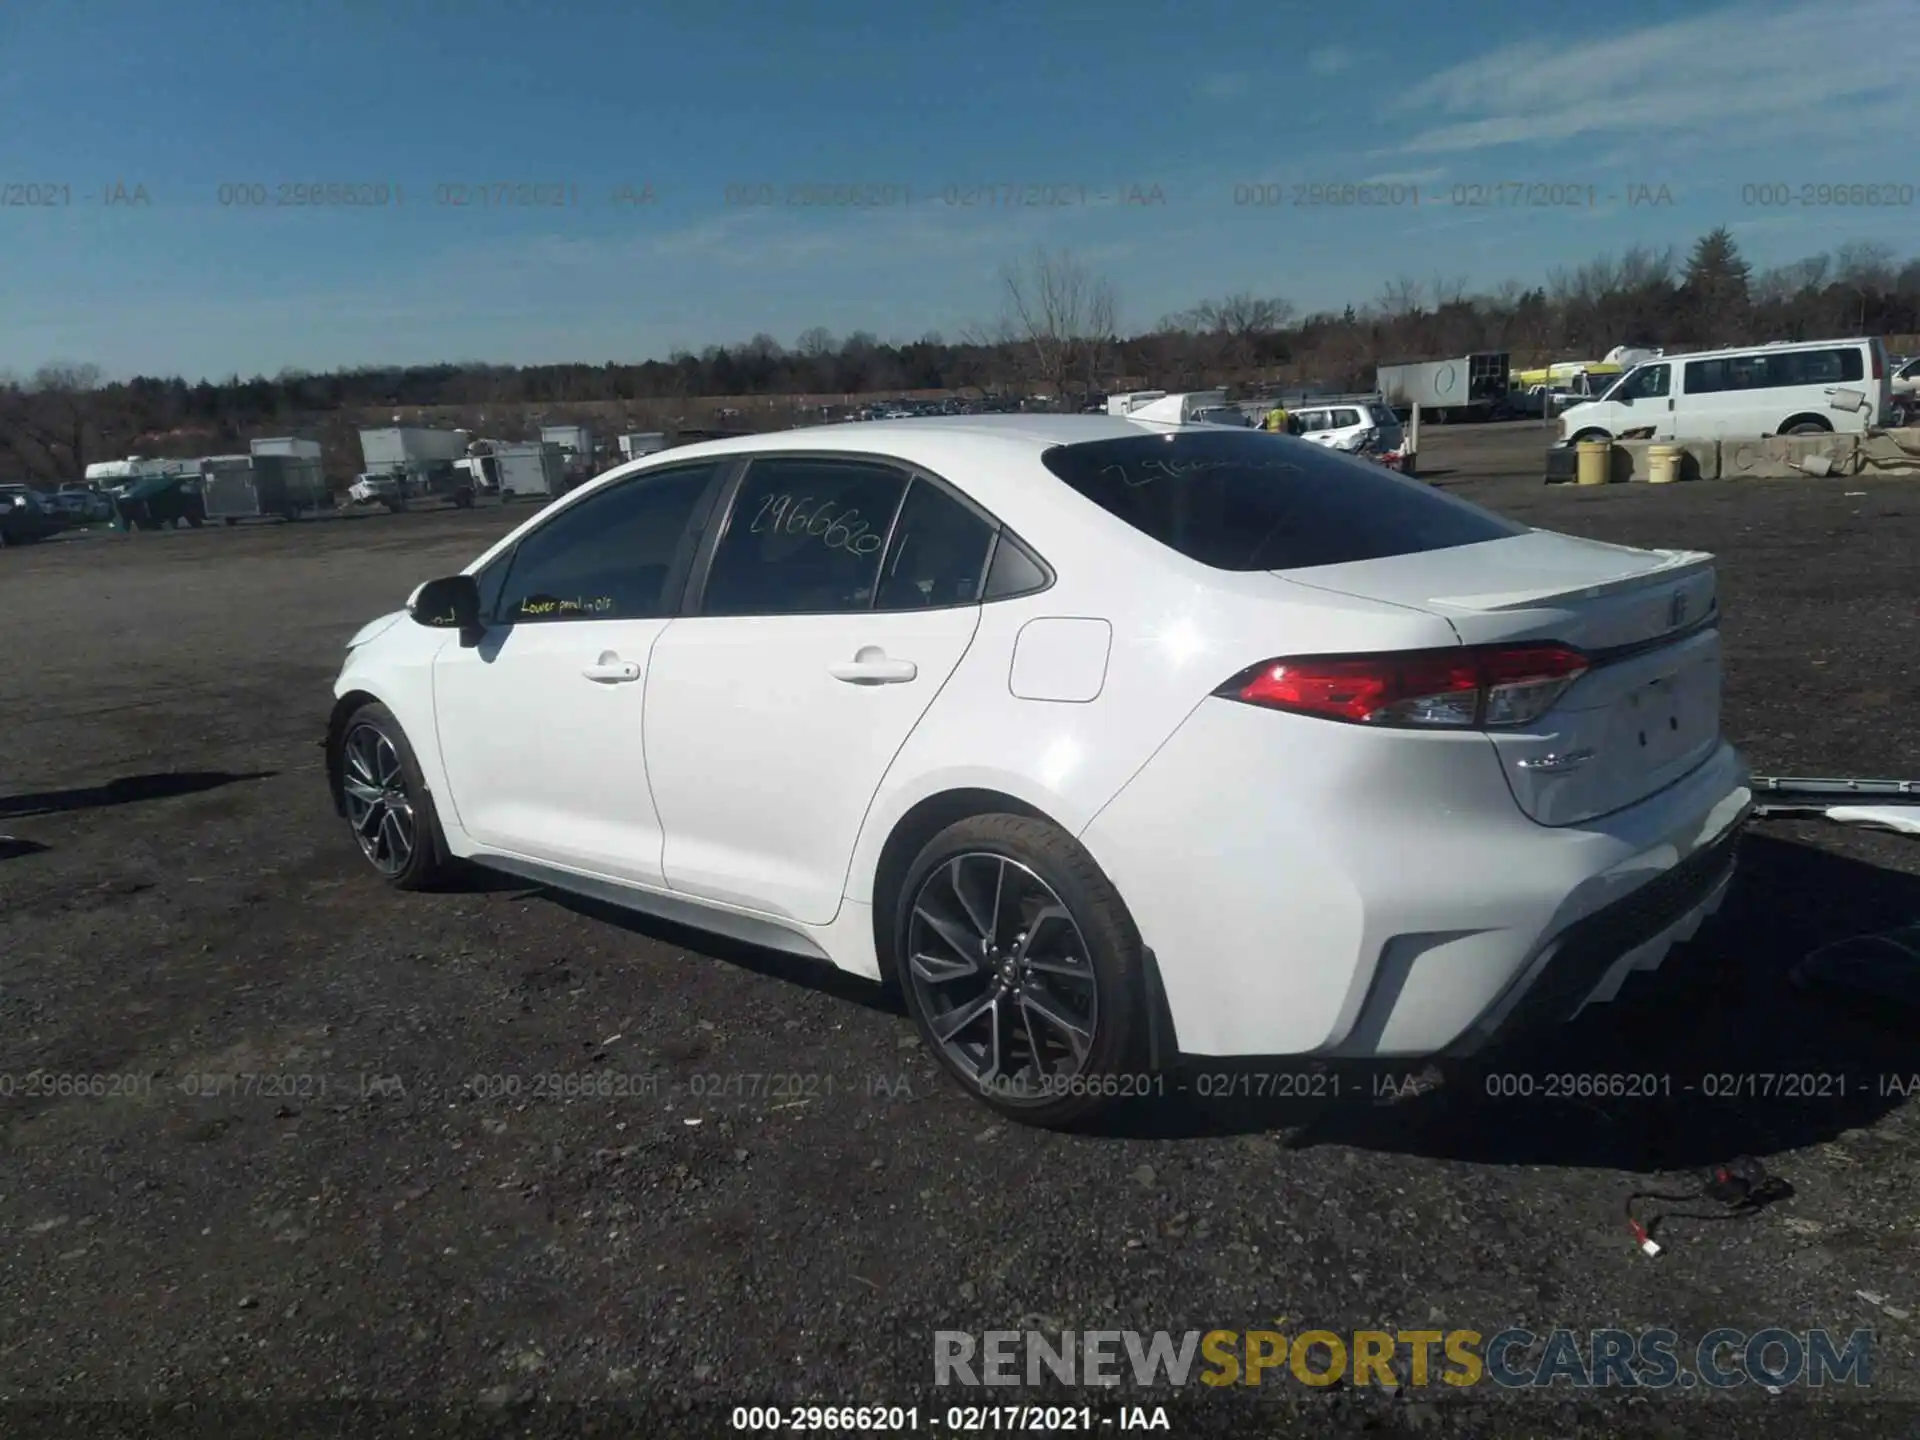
pixel 1645 715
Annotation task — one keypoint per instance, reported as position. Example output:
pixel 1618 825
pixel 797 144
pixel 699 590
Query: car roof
pixel 995 459
pixel 921 436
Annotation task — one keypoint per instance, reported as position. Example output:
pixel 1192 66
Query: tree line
pixel 1057 333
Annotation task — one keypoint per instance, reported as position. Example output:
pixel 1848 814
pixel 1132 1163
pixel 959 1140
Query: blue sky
pixel 922 109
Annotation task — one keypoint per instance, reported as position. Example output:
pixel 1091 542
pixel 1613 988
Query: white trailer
pixel 519 471
pixel 645 442
pixel 1181 409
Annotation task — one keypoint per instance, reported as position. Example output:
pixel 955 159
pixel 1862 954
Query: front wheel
pixel 1022 969
pixel 1586 436
pixel 1809 427
pixel 387 803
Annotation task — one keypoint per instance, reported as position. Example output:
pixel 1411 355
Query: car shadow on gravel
pixel 1727 1056
pixel 818 975
pixel 124 791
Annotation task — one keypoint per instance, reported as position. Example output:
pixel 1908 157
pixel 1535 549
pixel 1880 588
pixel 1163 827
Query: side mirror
pixel 452 603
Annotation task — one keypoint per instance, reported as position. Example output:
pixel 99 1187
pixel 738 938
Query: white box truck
pixel 1470 387
pixel 407 462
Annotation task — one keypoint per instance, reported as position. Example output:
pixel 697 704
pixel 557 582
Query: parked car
pixel 159 501
pixel 87 502
pixel 1812 388
pixel 1906 390
pixel 1125 742
pixel 25 516
pixel 1223 415
pixel 1351 426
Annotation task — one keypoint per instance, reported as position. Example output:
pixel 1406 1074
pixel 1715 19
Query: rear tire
pixel 388 806
pixel 1022 969
pixel 1807 427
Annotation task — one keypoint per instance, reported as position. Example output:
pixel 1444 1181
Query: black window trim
pixel 1766 352
pixel 694 601
pixel 679 571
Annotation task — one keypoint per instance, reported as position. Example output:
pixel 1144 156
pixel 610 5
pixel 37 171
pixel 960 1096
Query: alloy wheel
pixel 1003 976
pixel 374 785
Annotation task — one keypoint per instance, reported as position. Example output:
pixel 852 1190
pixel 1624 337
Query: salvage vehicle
pixel 1353 427
pixel 1114 743
pixel 25 516
pixel 157 501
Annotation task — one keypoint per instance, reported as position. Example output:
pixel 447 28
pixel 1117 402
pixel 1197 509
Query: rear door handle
pixel 610 669
pixel 875 671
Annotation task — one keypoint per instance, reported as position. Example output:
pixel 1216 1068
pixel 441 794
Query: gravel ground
pixel 363 1218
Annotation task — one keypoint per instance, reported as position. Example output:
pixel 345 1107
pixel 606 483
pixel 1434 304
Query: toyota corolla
pixel 1113 744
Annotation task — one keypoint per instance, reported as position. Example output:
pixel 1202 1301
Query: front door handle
pixel 872 667
pixel 610 669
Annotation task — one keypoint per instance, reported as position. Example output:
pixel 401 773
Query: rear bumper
pixel 1311 889
pixel 1590 960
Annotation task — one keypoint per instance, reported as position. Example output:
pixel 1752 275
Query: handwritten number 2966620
pixel 802 515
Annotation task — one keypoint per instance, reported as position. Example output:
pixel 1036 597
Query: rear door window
pixel 1229 502
pixel 937 555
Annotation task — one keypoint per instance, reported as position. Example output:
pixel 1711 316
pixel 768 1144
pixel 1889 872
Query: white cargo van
pixel 1797 388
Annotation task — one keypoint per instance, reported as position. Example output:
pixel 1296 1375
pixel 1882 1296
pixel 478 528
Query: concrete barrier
pixel 1779 457
pixel 1699 459
pixel 1772 457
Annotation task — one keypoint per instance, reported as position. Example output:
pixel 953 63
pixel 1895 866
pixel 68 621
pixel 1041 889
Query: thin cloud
pixel 1225 87
pixel 1717 75
pixel 1406 177
pixel 1329 60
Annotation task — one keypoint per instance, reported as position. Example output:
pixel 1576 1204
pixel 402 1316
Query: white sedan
pixel 1114 744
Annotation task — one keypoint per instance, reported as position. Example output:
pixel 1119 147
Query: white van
pixel 1788 388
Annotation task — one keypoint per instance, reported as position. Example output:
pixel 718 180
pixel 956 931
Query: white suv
pixel 1350 425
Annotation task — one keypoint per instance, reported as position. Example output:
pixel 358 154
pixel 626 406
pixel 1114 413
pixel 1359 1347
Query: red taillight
pixel 1489 685
pixel 1879 360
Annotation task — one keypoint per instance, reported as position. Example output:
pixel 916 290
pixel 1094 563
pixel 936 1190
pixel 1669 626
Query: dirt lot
pixel 361 1217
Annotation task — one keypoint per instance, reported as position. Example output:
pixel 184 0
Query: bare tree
pixel 1063 314
pixel 1867 270
pixel 1448 290
pixel 1400 298
pixel 47 424
pixel 1784 283
pixel 817 343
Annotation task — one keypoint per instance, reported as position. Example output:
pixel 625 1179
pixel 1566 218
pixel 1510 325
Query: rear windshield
pixel 1264 502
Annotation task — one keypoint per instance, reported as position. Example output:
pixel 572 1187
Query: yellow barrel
pixel 1596 457
pixel 1663 464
